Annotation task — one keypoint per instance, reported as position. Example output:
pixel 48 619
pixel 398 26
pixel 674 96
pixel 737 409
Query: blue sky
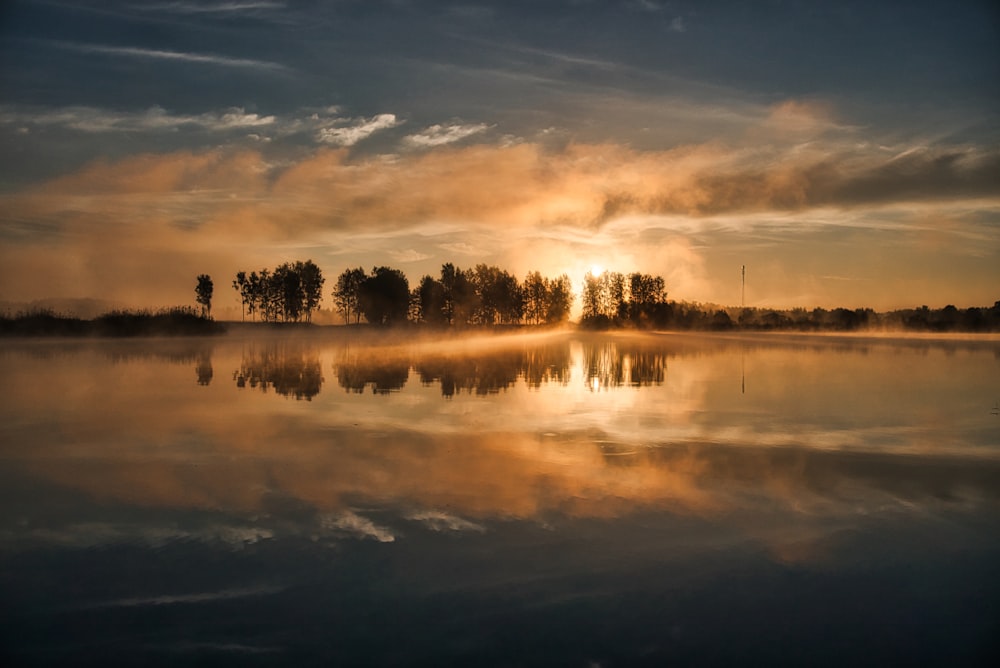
pixel 847 153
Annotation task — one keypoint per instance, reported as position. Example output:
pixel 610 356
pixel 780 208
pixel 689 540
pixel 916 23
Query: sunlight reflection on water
pixel 506 475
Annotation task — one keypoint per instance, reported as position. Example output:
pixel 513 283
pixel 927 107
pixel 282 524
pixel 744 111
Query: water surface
pixel 556 499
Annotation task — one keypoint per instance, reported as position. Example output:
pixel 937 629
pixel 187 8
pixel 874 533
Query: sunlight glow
pixel 596 270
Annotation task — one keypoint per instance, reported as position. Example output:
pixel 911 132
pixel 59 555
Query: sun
pixel 596 270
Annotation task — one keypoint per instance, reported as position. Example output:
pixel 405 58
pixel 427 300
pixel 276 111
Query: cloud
pixel 648 6
pixel 460 248
pixel 408 255
pixel 438 135
pixel 359 526
pixel 90 119
pixel 91 534
pixel 357 129
pixel 199 597
pixel 582 186
pixel 135 229
pixel 437 520
pixel 166 55
pixel 212 7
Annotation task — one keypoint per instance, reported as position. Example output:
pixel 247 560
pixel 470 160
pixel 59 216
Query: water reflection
pixel 287 368
pixel 355 373
pixel 688 441
pixel 138 505
pixel 612 364
pixel 482 373
pixel 204 368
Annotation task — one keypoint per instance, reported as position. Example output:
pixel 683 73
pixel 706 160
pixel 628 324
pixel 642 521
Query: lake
pixel 555 499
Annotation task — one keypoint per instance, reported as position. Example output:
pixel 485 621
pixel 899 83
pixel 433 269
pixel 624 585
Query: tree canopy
pixel 488 295
pixel 203 293
pixel 384 296
pixel 290 292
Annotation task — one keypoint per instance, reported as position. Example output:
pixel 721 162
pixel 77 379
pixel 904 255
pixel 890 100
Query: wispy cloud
pixel 166 55
pixel 210 7
pixel 437 520
pixel 547 54
pixel 355 524
pixel 408 255
pixel 648 5
pixel 326 126
pixel 460 248
pixel 95 534
pixel 438 135
pixel 199 597
pixel 355 130
pixel 90 119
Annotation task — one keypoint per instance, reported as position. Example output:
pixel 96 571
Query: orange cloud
pixel 184 213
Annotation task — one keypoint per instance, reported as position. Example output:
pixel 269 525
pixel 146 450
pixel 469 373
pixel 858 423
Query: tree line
pixel 615 299
pixel 486 295
pixel 288 293
pixel 482 295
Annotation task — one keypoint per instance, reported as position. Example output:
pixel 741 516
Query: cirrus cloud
pixel 439 135
pixel 350 132
pixel 155 118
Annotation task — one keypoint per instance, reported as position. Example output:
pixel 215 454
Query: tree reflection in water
pixel 610 364
pixel 204 368
pixel 294 370
pixel 482 375
pixel 288 369
pixel 383 375
pixel 489 373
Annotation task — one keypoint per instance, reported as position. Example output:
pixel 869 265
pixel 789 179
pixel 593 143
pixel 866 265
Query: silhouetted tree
pixel 269 294
pixel 347 294
pixel 509 298
pixel 499 296
pixel 484 279
pixel 617 294
pixel 241 285
pixel 592 298
pixel 384 296
pixel 287 286
pixel 311 281
pixel 721 320
pixel 429 302
pixel 646 294
pixel 461 302
pixel 535 291
pixel 203 293
pixel 604 298
pixel 289 292
pixel 255 292
pixel 559 299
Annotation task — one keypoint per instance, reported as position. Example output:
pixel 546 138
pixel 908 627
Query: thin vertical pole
pixel 743 287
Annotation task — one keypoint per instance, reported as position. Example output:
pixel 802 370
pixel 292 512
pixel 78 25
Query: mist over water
pixel 543 499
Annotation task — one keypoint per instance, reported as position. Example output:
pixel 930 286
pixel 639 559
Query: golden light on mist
pixel 147 224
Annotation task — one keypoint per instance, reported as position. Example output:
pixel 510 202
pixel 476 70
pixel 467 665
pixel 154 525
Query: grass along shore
pixel 177 321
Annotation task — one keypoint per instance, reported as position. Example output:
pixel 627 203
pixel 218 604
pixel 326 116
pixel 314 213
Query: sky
pixel 846 153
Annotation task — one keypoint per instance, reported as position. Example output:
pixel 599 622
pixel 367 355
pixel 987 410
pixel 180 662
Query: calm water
pixel 577 500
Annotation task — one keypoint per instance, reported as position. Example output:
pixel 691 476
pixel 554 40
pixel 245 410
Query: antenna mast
pixel 743 287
